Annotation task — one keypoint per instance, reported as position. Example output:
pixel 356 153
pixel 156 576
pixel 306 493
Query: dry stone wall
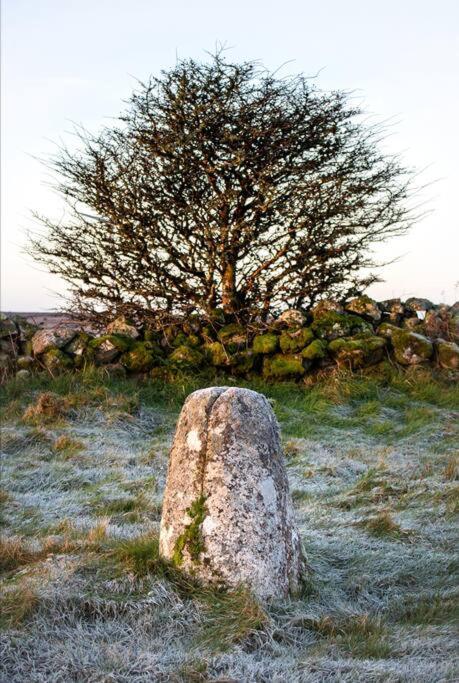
pixel 355 334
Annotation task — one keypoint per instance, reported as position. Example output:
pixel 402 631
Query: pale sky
pixel 67 61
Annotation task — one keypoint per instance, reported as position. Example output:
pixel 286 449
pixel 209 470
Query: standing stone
pixel 227 515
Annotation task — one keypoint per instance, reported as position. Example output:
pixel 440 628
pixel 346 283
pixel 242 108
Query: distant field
pixel 49 321
pixel 372 463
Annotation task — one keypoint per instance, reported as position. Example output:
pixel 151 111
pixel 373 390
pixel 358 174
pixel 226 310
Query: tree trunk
pixel 229 289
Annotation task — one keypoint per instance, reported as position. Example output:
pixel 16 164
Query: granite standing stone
pixel 227 515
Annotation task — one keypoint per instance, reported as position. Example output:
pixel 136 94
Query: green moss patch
pixel 185 356
pixel 292 342
pixel 357 352
pixel 316 350
pixel 331 325
pixel 216 354
pixel 191 538
pixel 266 343
pixel 283 367
pixel 142 357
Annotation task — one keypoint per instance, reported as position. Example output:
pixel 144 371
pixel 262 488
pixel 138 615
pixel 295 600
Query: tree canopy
pixel 224 185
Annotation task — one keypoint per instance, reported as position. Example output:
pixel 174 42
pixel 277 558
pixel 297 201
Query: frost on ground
pixel 373 474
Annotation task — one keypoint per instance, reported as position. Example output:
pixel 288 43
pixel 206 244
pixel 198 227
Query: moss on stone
pixel 25 362
pixel 316 350
pixel 387 330
pixel 242 362
pixel 282 366
pixel 233 337
pixel 265 343
pixel 185 356
pixel 179 340
pixel 152 335
pixel 366 307
pixel 120 343
pixel 411 348
pixel 191 538
pixel 216 353
pixel 228 331
pixel 192 340
pixel 142 357
pixel 448 355
pixel 358 351
pixel 292 342
pixel 332 325
pixel 56 360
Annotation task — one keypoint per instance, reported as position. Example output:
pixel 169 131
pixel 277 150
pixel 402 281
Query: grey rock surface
pixel 123 327
pixel 291 318
pixel 44 340
pixel 227 515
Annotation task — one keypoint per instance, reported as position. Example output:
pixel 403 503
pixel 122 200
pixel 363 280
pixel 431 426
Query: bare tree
pixel 224 185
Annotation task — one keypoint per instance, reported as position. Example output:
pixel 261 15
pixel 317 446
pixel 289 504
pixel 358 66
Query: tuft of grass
pixel 139 556
pixel 48 407
pixel 362 635
pixel 67 446
pixel 15 553
pixel 436 609
pixel 128 509
pixel 98 533
pixel 17 603
pixel 365 637
pixel 417 418
pixel 451 469
pixel 195 671
pixel 381 525
pixel 451 499
pixel 370 489
pixel 368 408
pixel 231 617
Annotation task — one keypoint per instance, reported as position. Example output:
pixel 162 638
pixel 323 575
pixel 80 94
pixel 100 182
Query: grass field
pixel 372 462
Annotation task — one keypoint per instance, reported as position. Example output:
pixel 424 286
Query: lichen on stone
pixel 366 307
